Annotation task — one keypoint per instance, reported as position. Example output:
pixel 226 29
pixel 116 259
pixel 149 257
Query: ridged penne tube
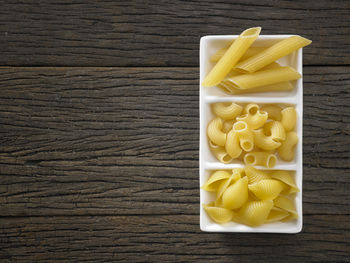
pixel 249 53
pixel 255 175
pixel 285 177
pixel 274 112
pixel 215 133
pixel 264 78
pixel 287 149
pixel 289 118
pixel 265 159
pixel 286 204
pixel 264 142
pixel 226 110
pixel 255 213
pixel 218 214
pixel 271 54
pixel 227 126
pixel 220 153
pixel 232 145
pixel 230 88
pixel 276 130
pixel 214 180
pixel 231 57
pixel 236 194
pixel 245 135
pixel 267 189
pixel 276 214
pixel 254 121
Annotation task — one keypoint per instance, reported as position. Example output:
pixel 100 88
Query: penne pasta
pixel 271 54
pixel 263 78
pixel 249 53
pixel 231 57
pixel 228 87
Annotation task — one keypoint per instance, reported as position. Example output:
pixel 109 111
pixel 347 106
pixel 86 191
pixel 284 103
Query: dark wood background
pixel 99 130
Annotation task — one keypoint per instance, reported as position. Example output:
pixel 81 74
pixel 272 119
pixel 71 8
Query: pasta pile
pixel 241 68
pixel 252 134
pixel 251 197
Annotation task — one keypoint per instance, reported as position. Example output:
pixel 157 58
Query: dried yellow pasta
pixel 226 110
pixel 267 189
pixel 285 177
pixel 255 175
pixel 271 54
pixel 255 213
pixel 245 135
pixel 276 214
pixel 214 181
pixel 228 87
pixel 249 53
pixel 231 57
pixel 264 78
pixel 215 133
pixel 254 118
pixel 232 145
pixel 218 214
pixel 288 205
pixel 265 159
pixel 273 111
pixel 289 118
pixel 263 141
pixel 227 126
pixel 287 149
pixel 220 153
pixel 236 194
pixel 275 130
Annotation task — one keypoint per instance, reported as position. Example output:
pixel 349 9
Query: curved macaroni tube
pixel 220 153
pixel 289 118
pixel 286 151
pixel 232 145
pixel 276 130
pixel 245 135
pixel 264 142
pixel 226 110
pixel 228 126
pixel 215 133
pixel 273 111
pixel 265 159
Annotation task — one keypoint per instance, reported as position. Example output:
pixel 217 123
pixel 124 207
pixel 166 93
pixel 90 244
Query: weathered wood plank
pixel 166 239
pixel 124 141
pixel 161 33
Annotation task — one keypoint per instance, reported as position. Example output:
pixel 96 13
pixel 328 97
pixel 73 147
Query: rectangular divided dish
pixel 207 161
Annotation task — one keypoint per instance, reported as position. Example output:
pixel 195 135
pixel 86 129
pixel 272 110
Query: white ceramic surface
pixel 208 46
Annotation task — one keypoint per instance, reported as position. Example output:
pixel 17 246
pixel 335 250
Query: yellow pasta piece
pixel 215 133
pixel 245 135
pixel 267 189
pixel 264 142
pixel 232 145
pixel 260 158
pixel 228 126
pixel 285 177
pixel 240 171
pixel 255 175
pixel 287 149
pixel 226 183
pixel 231 57
pixel 254 121
pixel 276 214
pixel 264 78
pixel 249 53
pixel 236 194
pixel 255 213
pixel 226 110
pixel 271 54
pixel 286 204
pixel 220 153
pixel 289 118
pixel 274 112
pixel 228 87
pixel 218 214
pixel 214 181
pixel 276 130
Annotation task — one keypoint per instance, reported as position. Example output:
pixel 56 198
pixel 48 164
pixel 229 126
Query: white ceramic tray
pixel 207 162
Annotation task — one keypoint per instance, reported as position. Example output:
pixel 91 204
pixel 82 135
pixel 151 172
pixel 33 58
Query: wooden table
pixel 99 130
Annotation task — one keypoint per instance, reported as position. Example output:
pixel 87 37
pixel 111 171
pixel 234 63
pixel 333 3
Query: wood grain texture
pixel 161 33
pixel 124 141
pixel 166 239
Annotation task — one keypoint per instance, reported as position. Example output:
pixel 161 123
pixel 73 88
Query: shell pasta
pixel 250 196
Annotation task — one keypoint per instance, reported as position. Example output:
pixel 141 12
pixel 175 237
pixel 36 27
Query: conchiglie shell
pixel 267 189
pixel 214 180
pixel 255 213
pixel 218 214
pixel 276 214
pixel 255 175
pixel 239 170
pixel 225 184
pixel 286 178
pixel 235 195
pixel 274 112
pixel 286 204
